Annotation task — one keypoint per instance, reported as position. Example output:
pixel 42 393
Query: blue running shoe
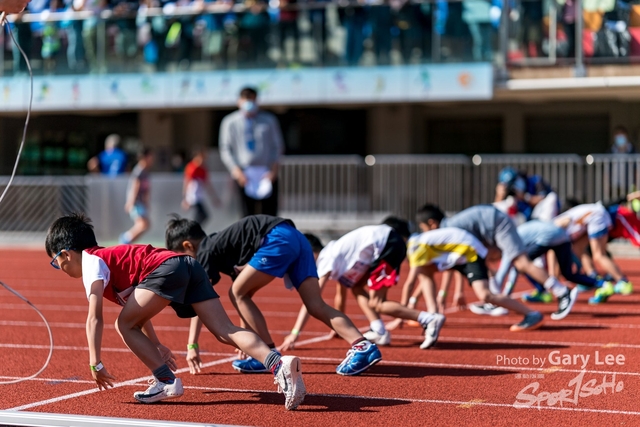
pixel 359 358
pixel 602 294
pixel 537 296
pixel 249 366
pixel 623 287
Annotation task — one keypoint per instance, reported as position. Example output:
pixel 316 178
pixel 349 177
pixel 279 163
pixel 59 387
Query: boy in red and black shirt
pixel 144 280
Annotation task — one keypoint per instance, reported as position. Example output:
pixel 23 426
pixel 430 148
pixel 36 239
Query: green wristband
pixel 97 367
pixel 295 332
pixel 193 346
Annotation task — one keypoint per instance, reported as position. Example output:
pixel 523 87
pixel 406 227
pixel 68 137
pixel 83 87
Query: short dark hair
pixel 427 212
pixel 144 152
pixel 399 225
pixel 620 128
pixel 181 229
pixel 248 91
pixel 71 232
pixel 571 202
pixel 315 242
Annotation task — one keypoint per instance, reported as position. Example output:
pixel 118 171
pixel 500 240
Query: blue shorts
pixel 285 252
pixel 139 210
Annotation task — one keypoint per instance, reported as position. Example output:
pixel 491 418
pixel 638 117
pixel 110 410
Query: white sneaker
pixel 432 331
pixel 289 380
pixel 488 309
pixel 374 337
pixel 160 391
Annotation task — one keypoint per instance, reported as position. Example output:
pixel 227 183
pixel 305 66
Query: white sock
pixel 493 286
pixel 425 317
pixel 377 326
pixel 555 287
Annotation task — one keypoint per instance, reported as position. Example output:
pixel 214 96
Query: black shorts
pixel 181 280
pixel 476 270
pixel 394 252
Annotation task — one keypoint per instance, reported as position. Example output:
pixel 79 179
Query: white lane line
pixel 405 363
pixel 322 336
pixel 116 385
pixel 443 339
pixel 37 419
pixel 428 401
pixel 470 366
pixel 137 380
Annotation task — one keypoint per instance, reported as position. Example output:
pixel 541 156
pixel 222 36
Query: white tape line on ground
pixel 63 420
pixel 443 339
pixel 469 366
pixel 429 401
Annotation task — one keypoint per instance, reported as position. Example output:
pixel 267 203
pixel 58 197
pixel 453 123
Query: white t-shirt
pixel 591 218
pixel 94 268
pixel 349 258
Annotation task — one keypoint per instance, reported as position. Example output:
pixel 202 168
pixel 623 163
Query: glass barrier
pixel 223 35
pixel 198 35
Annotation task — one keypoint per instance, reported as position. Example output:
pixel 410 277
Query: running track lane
pixel 472 376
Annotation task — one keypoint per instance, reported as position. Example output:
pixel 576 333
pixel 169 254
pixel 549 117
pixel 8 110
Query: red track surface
pixel 462 381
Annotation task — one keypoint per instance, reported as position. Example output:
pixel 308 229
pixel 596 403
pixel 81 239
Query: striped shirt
pixel 445 248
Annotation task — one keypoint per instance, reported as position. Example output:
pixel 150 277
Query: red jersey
pixel 122 267
pixel 626 226
pixel 193 171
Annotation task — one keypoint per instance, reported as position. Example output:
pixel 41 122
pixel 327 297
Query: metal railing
pixel 318 192
pixel 564 172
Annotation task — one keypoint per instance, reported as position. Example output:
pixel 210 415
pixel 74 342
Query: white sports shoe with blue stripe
pixel 158 391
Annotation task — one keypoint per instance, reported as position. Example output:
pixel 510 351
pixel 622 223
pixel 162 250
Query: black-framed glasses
pixel 54 262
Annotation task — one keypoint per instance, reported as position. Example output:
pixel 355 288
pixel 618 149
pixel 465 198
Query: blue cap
pixel 507 175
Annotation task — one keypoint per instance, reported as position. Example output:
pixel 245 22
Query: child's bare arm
pixel 444 289
pixel 303 316
pixel 94 329
pixel 193 350
pixel 165 351
pixel 407 288
pixel 340 300
pixel 132 195
pixel 459 300
pixel 427 284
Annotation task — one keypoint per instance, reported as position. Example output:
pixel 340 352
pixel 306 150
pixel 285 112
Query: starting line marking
pixel 62 420
pixel 459 403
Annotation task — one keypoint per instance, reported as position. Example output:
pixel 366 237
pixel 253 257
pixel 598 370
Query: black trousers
pixel 268 206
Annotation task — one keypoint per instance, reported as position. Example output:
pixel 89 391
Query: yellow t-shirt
pixel 445 248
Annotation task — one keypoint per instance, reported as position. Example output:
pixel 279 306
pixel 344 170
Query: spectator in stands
pixel 13 6
pixel 477 17
pixel 125 39
pixel 253 33
pixel 112 161
pixel 90 29
pixel 196 182
pixel 288 28
pixel 250 147
pixel 621 141
pixel 354 20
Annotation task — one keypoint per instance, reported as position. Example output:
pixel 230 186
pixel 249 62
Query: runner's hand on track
pixel 103 378
pixel 460 302
pixel 193 360
pixel 168 357
pixel 288 343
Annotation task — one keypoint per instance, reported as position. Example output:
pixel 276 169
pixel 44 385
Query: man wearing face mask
pixel 621 142
pixel 621 173
pixel 250 147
